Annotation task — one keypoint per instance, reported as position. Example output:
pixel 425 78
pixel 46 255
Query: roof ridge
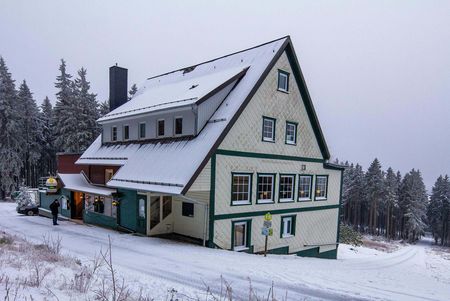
pixel 218 58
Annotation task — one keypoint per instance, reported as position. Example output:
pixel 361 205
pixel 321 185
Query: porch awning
pixel 78 182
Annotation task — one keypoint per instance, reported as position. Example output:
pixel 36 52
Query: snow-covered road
pixel 411 273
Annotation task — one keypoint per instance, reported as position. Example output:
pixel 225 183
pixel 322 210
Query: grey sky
pixel 378 71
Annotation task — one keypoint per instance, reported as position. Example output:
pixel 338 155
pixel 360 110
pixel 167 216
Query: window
pixel 287 226
pixel 291 133
pixel 268 130
pixel 265 188
pixel 321 187
pixel 114 133
pixel 160 127
pixel 286 188
pixel 109 172
pixel 304 188
pixel 283 81
pixel 178 126
pixel 142 130
pixel 241 235
pixel 187 209
pixel 241 189
pixel 99 204
pixel 126 132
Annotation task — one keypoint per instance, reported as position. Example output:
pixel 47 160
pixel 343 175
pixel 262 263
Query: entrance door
pixel 76 211
pixel 141 226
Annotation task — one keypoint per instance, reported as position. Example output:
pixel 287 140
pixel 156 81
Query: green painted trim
pixel 274 175
pixel 293 187
pixel 251 187
pixel 326 190
pixel 274 129
pixel 314 252
pixel 266 156
pixel 278 80
pixel 311 192
pixel 212 195
pixel 279 251
pixel 293 225
pixel 296 132
pixel 340 208
pixel 273 212
pixel 249 233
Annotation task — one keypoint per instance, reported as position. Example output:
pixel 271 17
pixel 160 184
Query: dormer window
pixel 160 127
pixel 126 132
pixel 114 133
pixel 178 126
pixel 283 81
pixel 142 130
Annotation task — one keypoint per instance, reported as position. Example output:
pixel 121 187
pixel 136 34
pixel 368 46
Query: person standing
pixel 54 207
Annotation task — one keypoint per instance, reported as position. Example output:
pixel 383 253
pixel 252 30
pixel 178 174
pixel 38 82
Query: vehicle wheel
pixel 30 213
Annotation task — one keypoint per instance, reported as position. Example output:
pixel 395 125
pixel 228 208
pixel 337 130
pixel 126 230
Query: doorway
pixel 76 211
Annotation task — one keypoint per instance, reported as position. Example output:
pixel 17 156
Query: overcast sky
pixel 378 71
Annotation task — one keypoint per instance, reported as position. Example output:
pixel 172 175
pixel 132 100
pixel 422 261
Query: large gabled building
pixel 206 151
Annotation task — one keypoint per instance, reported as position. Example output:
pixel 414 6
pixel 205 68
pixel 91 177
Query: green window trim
pixel 262 201
pixel 279 75
pixel 248 233
pixel 293 225
pixel 326 189
pixel 273 130
pixel 311 192
pixel 142 130
pixel 295 124
pixel 280 200
pixel 235 203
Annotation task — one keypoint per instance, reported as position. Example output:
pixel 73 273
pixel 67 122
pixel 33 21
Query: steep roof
pixel 172 166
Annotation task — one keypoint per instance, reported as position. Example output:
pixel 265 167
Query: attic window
pixel 193 87
pixel 283 81
pixel 188 69
pixel 114 133
pixel 160 127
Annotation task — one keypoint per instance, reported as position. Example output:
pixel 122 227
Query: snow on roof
pixel 167 167
pixel 158 94
pixel 78 182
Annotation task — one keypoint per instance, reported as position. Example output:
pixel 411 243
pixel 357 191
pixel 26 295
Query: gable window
pixel 241 231
pixel 265 188
pixel 283 81
pixel 305 188
pixel 241 189
pixel 321 187
pixel 187 209
pixel 160 127
pixel 142 130
pixel 286 188
pixel 114 133
pixel 291 133
pixel 109 172
pixel 287 226
pixel 268 129
pixel 178 126
pixel 126 132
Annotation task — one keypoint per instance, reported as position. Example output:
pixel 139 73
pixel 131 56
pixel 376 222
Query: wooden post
pixel 265 246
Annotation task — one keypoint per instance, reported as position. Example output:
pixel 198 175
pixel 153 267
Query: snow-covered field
pixel 411 272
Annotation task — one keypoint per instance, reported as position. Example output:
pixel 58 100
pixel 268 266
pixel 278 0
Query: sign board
pixel 267 224
pixel 268 216
pixel 267 231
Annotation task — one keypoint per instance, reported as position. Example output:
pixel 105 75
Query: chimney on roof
pixel 118 87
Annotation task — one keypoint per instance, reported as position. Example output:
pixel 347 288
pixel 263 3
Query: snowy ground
pixel 412 272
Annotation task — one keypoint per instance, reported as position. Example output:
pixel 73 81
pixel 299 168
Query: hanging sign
pixel 52 185
pixel 268 216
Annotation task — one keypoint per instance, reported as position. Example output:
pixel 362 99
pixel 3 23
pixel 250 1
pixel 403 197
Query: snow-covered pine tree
pixel 88 129
pixel 132 91
pixel 391 201
pixel 413 201
pixel 104 108
pixel 31 132
pixel 434 210
pixel 10 138
pixel 48 152
pixel 24 197
pixel 374 182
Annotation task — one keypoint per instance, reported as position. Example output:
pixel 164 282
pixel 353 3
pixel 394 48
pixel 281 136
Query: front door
pixel 76 211
pixel 141 226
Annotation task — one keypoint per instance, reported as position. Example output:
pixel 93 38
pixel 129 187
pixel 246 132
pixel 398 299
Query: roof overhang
pixel 78 182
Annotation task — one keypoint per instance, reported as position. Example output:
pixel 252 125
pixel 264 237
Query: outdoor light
pixel 318 191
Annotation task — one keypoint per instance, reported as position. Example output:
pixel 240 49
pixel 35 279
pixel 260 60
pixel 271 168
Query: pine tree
pixel 132 91
pixel 10 139
pixel 374 192
pixel 48 152
pixel 438 210
pixel 31 132
pixel 104 108
pixel 391 201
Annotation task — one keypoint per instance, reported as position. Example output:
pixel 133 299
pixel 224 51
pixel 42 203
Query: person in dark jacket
pixel 54 207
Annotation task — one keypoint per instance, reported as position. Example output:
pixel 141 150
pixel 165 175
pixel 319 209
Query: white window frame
pixel 265 201
pixel 241 202
pixel 285 226
pixel 140 130
pixel 291 142
pixel 273 121
pixel 284 74
pixel 123 132
pixel 310 177
pixel 244 246
pixel 157 128
pixel 321 198
pixel 285 200
pixel 175 126
pixel 113 129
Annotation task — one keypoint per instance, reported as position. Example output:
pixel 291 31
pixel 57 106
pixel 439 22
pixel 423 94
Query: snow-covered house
pixel 206 151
